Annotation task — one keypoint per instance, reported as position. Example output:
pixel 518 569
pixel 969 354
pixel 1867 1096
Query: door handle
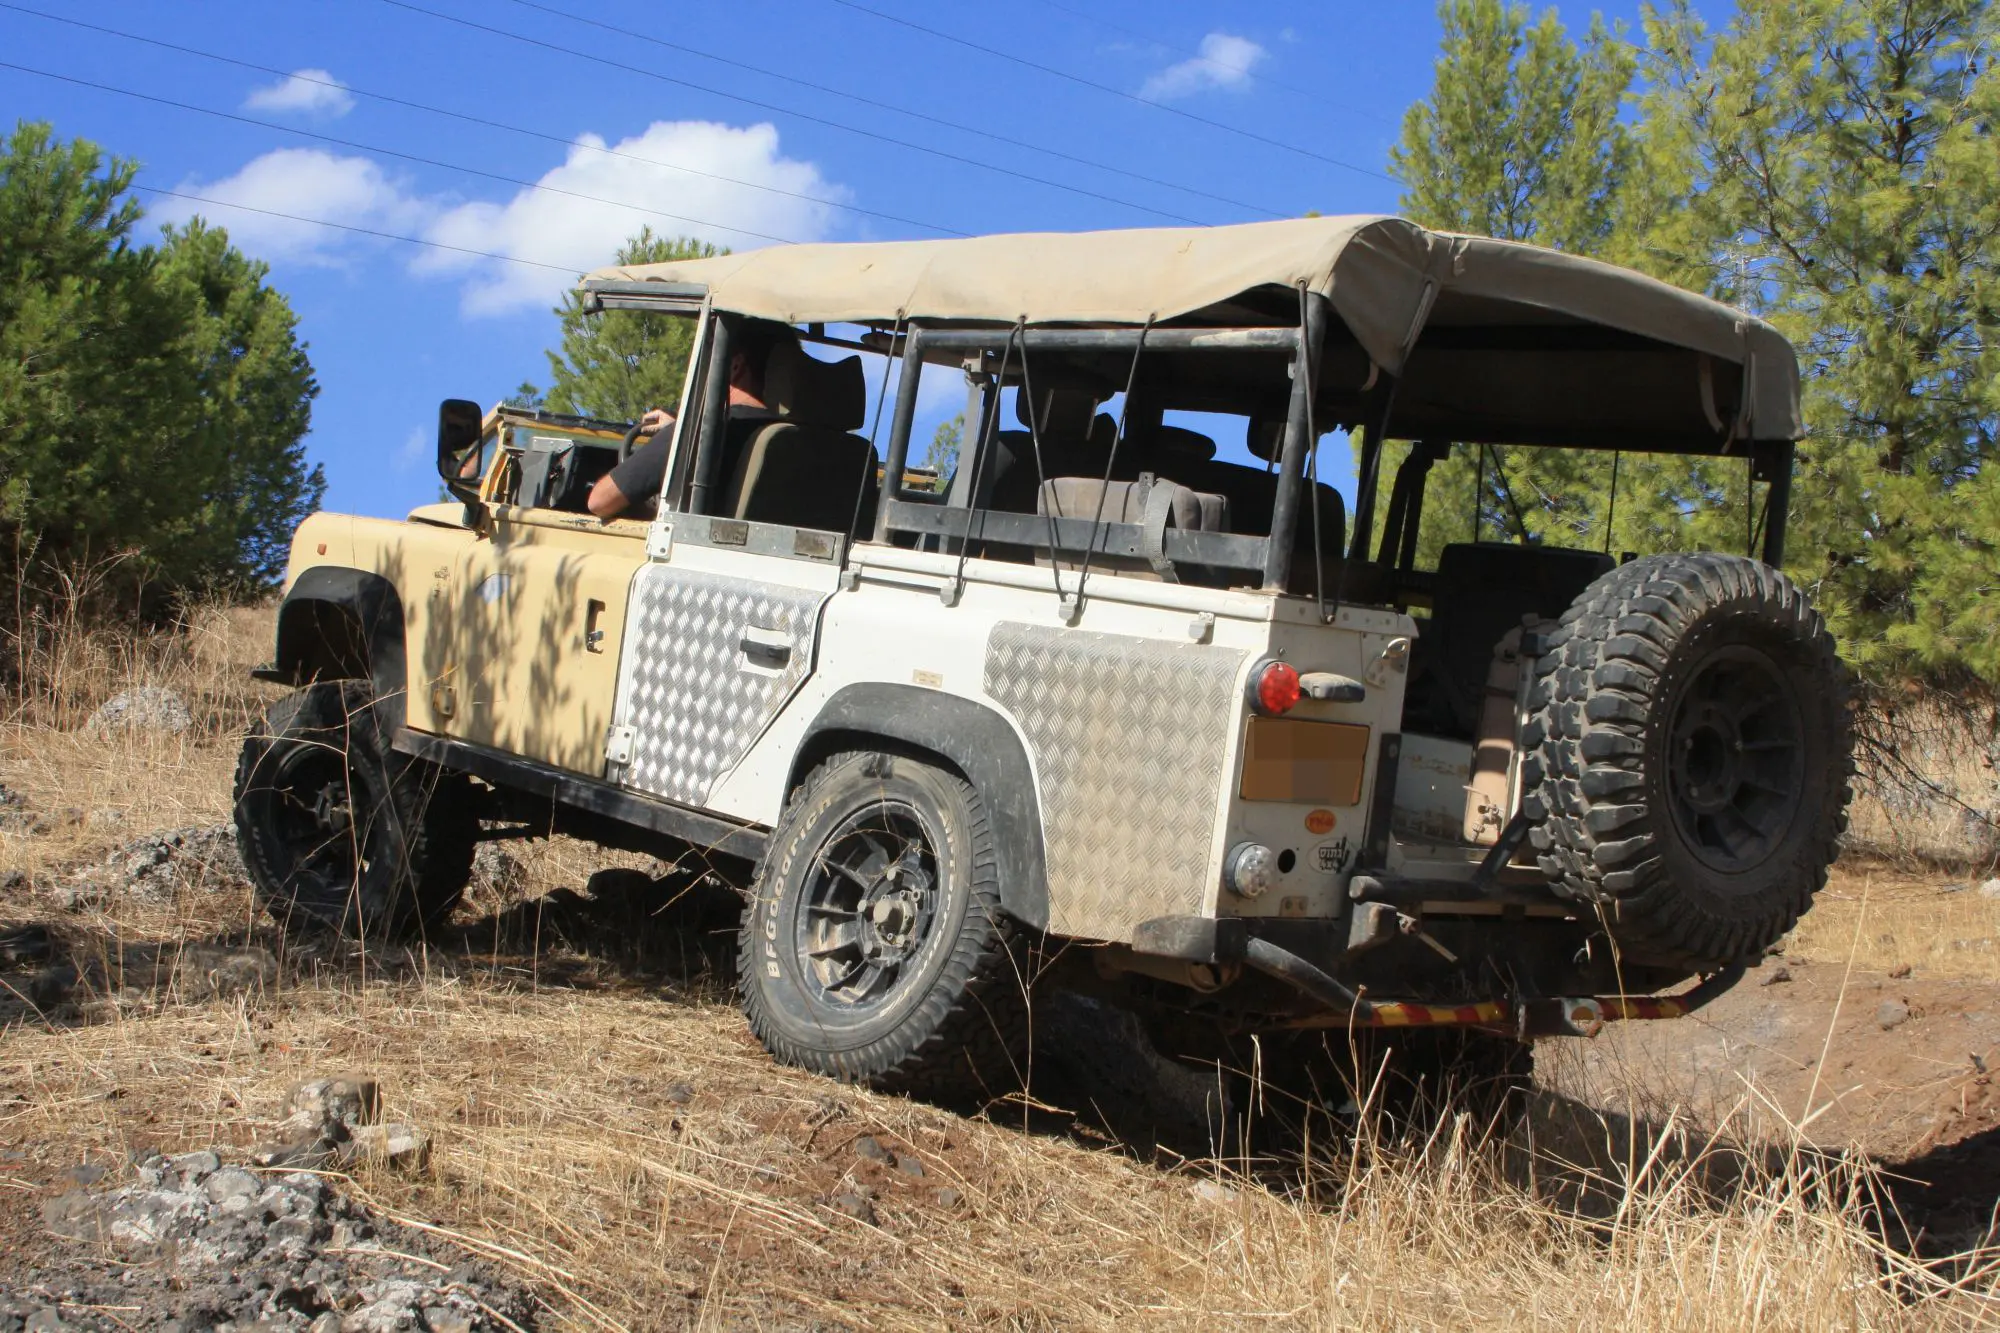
pixel 593 633
pixel 768 648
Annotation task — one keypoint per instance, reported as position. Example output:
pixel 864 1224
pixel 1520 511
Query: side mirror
pixel 459 422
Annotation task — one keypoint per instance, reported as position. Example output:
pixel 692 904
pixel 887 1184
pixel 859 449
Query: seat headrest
pixel 1182 445
pixel 1062 413
pixel 809 392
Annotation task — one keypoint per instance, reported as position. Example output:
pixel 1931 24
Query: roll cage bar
pixel 1312 408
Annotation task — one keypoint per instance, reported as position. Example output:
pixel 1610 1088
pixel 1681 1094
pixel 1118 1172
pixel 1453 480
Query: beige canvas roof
pixel 1378 272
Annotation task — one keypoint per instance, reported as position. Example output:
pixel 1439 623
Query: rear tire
pixel 1687 762
pixel 341 833
pixel 875 950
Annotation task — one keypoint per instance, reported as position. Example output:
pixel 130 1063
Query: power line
pixel 361 231
pixel 391 152
pixel 1244 70
pixel 598 61
pixel 1026 63
pixel 477 120
pixel 891 106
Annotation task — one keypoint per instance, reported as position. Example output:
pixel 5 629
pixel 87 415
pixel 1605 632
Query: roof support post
pixel 1292 461
pixel 899 429
pixel 714 416
pixel 1777 501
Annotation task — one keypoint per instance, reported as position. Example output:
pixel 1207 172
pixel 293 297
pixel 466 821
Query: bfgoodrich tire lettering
pixel 1688 757
pixel 875 950
pixel 341 833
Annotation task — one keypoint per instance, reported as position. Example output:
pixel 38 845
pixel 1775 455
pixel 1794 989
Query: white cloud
pixel 311 92
pixel 560 228
pixel 1225 62
pixel 419 447
pixel 301 183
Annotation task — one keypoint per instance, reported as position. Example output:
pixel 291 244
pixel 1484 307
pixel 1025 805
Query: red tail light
pixel 1274 688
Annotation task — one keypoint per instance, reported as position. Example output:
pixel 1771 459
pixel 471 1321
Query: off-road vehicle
pixel 1114 704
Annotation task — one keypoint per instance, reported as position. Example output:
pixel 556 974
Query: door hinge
pixel 618 744
pixel 660 541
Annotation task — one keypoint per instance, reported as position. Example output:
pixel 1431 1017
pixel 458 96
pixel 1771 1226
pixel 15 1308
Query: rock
pixel 854 1204
pixel 402 1146
pixel 1214 1192
pixel 84 1174
pixel 498 870
pixel 197 1245
pixel 148 707
pixel 871 1149
pixel 1892 1013
pixel 1899 971
pixel 909 1165
pixel 233 1189
pixel 193 1168
pixel 205 972
pixel 1990 889
pixel 1775 976
pixel 332 1108
pixel 949 1197
pixel 680 1094
pixel 48 1319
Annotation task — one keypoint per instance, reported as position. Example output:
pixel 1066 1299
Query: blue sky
pixel 741 123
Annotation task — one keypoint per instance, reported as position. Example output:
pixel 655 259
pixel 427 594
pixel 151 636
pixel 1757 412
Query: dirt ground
pixel 1817 1149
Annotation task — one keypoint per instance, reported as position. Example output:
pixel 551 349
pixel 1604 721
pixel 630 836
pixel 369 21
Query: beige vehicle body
pixel 672 680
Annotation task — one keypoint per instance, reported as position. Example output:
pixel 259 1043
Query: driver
pixel 638 480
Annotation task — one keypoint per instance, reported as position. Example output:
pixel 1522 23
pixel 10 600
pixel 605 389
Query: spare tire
pixel 1687 755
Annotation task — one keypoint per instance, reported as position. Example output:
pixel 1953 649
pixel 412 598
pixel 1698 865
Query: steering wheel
pixel 625 446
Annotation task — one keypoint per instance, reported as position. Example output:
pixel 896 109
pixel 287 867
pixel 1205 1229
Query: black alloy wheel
pixel 875 949
pixel 1735 758
pixel 871 901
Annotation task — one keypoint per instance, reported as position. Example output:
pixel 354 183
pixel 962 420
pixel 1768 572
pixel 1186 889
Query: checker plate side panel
pixel 1131 741
pixel 694 706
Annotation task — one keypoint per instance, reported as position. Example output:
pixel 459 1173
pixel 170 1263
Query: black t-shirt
pixel 644 472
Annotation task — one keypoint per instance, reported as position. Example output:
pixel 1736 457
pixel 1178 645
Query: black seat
pixel 805 469
pixel 1483 589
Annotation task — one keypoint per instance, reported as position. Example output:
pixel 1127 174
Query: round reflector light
pixel 1277 688
pixel 1250 870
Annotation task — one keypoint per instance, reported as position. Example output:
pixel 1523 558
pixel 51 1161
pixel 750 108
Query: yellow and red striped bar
pixel 1582 1016
pixel 1396 1014
pixel 1642 1006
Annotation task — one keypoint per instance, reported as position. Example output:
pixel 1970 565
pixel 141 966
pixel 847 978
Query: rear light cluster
pixel 1274 688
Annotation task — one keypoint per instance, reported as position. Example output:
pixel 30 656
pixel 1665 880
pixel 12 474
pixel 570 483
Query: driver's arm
pixel 637 480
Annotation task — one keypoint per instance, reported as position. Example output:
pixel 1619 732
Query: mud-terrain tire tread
pixel 969 1036
pixel 431 814
pixel 1585 745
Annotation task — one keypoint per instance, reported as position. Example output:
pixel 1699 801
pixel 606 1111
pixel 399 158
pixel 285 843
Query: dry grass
pixel 1929 789
pixel 1885 918
pixel 560 1155
pixel 564 1151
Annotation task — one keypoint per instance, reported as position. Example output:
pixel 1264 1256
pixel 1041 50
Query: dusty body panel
pixel 499 623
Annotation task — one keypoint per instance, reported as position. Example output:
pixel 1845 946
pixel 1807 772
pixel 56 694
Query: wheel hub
pixel 1735 759
pixel 868 905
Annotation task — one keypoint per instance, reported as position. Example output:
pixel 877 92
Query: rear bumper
pixel 1232 941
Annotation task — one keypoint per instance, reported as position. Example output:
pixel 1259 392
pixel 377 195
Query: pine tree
pixel 618 364
pixel 1520 139
pixel 1832 165
pixel 152 400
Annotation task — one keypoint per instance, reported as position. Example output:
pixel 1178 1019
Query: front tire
pixel 875 950
pixel 341 833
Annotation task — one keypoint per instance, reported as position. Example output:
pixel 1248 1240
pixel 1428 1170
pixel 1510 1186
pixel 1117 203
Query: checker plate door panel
pixel 710 660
